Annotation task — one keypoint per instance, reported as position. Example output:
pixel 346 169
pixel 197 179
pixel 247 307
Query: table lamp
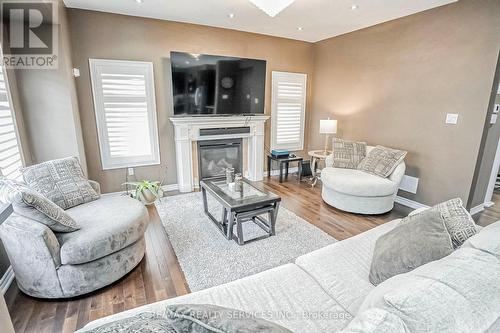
pixel 328 126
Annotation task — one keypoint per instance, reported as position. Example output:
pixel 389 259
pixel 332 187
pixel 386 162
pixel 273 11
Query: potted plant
pixel 146 191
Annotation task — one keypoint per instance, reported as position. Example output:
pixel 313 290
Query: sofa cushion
pixel 107 225
pixel 357 183
pixel 347 154
pixel 285 295
pixel 34 206
pixel 486 240
pixel 459 293
pixel 342 268
pixel 419 239
pixel 206 318
pixel 381 161
pixel 375 299
pixel 62 181
pixel 376 321
pixel 84 278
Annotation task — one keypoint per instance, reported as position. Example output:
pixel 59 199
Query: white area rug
pixel 209 259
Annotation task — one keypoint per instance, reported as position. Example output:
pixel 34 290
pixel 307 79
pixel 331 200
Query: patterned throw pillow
pixel 207 318
pixel 458 221
pixel 31 204
pixel 62 181
pixel 347 154
pixel 143 322
pixel 381 161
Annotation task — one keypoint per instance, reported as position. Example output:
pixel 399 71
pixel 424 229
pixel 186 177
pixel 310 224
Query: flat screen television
pixel 216 85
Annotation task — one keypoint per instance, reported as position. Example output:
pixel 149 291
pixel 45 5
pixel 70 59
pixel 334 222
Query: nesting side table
pixel 286 163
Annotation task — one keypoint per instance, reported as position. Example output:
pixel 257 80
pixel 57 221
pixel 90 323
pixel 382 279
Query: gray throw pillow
pixel 417 240
pixel 204 318
pixel 31 204
pixel 145 322
pixel 381 161
pixel 458 221
pixel 62 181
pixel 347 154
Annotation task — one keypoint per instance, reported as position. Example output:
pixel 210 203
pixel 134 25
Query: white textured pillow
pixel 31 204
pixel 347 154
pixel 381 161
pixel 62 181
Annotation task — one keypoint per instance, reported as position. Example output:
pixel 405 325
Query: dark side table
pixel 284 162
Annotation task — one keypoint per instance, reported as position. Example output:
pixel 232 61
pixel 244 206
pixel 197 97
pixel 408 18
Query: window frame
pixel 13 115
pixel 274 100
pixel 108 162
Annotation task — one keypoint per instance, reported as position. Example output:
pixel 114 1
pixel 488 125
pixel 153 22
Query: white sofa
pixel 359 192
pixel 321 292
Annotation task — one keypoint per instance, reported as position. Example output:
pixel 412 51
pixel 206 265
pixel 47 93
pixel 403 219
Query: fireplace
pixel 214 156
pixel 188 135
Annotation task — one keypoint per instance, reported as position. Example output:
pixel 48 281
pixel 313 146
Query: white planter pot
pixel 147 197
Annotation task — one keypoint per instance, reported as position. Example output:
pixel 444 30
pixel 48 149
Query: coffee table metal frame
pixel 235 212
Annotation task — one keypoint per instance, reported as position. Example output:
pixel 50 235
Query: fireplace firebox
pixel 214 156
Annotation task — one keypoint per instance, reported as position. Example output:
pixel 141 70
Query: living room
pixel 299 163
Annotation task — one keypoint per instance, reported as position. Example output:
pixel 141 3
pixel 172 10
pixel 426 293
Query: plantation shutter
pixel 288 110
pixel 10 149
pixel 125 110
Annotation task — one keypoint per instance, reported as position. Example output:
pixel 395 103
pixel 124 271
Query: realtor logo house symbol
pixel 29 33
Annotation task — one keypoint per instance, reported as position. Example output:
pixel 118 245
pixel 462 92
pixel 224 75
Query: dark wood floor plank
pixel 159 275
pixel 70 322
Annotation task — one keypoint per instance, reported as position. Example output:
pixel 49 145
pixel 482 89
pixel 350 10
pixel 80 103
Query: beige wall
pixel 110 36
pixel 48 103
pixel 392 84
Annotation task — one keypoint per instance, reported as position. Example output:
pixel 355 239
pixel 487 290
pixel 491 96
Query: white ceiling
pixel 319 19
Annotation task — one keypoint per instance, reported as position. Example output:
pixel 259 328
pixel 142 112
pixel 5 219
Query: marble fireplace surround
pixel 187 135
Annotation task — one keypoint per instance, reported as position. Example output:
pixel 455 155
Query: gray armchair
pixel 108 245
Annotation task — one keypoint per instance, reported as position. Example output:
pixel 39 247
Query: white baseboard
pixel 488 204
pixel 415 205
pixel 409 203
pixel 6 280
pixel 166 188
pixel 171 187
pixel 277 172
pixel 477 209
pixel 113 194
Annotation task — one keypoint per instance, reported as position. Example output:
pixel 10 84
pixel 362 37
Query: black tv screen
pixel 217 85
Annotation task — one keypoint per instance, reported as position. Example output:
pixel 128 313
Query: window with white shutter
pixel 11 159
pixel 288 110
pixel 125 110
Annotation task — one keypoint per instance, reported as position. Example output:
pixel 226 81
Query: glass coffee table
pixel 251 204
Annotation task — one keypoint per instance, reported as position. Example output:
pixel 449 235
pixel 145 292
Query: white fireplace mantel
pixel 187 131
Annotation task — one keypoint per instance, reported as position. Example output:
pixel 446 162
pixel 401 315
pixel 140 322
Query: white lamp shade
pixel 328 126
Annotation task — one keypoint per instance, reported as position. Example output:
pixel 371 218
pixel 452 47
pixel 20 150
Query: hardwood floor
pixel 159 276
pixel 491 214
